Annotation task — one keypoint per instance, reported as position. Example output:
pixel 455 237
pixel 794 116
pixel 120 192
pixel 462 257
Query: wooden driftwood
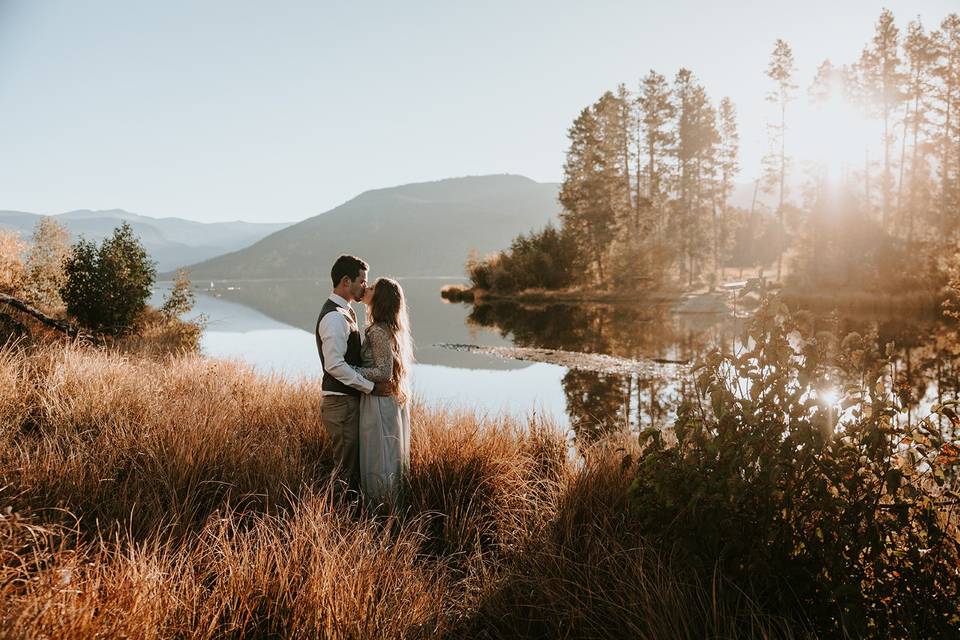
pixel 40 316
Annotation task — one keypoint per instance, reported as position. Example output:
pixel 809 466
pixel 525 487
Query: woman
pixel 386 354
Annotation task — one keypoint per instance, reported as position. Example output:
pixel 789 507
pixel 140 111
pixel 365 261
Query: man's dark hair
pixel 349 266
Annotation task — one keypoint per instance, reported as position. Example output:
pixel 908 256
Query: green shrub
pixel 830 514
pixel 107 287
pixel 479 270
pixel 540 260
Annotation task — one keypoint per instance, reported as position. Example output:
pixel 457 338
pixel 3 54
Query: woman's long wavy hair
pixel 388 308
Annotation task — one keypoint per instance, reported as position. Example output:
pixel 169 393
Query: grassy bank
pixel 189 498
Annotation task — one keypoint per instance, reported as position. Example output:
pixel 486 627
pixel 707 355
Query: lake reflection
pixel 270 326
pixel 924 368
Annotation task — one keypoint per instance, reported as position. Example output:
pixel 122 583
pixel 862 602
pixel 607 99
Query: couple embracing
pixel 366 390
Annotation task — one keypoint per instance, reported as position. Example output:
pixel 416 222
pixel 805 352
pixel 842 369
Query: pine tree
pixel 921 52
pixel 588 214
pixel 656 112
pixel 614 131
pixel 729 167
pixel 881 79
pixel 781 70
pixel 684 154
pixel 626 147
pixel 823 86
pixel 947 138
pixel 696 162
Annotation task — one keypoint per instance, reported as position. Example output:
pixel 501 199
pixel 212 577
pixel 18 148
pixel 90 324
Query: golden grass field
pixel 190 498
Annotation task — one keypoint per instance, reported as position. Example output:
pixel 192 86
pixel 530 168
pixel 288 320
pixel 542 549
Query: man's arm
pixel 334 331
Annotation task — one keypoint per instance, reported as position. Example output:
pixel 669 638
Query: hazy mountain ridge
pixel 171 242
pixel 419 229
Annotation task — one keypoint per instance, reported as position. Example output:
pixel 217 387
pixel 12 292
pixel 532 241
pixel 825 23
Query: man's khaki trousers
pixel 341 417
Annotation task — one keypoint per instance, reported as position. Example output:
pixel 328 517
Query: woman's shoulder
pixel 379 330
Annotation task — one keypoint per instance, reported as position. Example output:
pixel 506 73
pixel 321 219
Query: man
pixel 338 342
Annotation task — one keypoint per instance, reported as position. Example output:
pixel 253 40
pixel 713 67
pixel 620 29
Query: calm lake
pixel 269 325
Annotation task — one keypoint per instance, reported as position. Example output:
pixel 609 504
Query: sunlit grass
pixel 190 498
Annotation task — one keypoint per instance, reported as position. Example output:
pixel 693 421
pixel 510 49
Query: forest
pixel 650 173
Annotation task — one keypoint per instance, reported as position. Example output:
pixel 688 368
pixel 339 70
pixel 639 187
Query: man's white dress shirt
pixel 334 331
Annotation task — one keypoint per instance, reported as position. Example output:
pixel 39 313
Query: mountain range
pixel 421 229
pixel 171 242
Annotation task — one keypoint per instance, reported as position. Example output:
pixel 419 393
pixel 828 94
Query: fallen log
pixel 53 323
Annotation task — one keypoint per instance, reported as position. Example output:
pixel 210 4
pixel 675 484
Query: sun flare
pixel 838 135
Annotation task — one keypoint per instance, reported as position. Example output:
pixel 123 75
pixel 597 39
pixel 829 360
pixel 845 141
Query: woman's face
pixel 367 298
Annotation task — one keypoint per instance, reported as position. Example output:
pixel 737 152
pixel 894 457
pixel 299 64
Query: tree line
pixel 101 288
pixel 649 175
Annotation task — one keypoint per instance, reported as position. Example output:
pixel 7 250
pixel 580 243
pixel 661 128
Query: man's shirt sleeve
pixel 334 330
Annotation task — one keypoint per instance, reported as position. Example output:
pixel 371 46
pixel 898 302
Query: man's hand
pixel 384 389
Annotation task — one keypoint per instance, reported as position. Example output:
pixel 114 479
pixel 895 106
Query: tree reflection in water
pixel 599 403
pixel 924 367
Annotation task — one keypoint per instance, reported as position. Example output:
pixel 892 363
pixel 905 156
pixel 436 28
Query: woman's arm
pixel 382 348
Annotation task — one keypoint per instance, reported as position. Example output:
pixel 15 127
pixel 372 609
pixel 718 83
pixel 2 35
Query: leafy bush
pixel 45 262
pixel 539 260
pixel 181 298
pixel 12 273
pixel 480 270
pixel 107 286
pixel 831 514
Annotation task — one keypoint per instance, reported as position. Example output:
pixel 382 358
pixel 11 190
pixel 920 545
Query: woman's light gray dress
pixel 384 422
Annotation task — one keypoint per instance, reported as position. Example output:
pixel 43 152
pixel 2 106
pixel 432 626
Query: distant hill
pixel 423 229
pixel 171 242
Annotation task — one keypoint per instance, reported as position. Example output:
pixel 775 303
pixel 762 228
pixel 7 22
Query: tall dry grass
pixel 191 498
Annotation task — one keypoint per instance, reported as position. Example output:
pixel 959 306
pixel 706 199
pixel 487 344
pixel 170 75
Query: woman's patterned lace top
pixel 377 355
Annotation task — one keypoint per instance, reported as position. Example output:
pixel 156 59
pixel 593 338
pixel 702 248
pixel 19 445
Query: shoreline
pixel 924 301
pixel 460 293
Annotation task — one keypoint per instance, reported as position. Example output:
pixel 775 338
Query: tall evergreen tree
pixel 695 156
pixel 881 78
pixel 684 155
pixel 656 113
pixel 947 138
pixel 614 131
pixel 781 70
pixel 729 167
pixel 626 132
pixel 588 214
pixel 921 53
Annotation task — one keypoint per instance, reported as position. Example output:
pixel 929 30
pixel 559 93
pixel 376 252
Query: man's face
pixel 358 286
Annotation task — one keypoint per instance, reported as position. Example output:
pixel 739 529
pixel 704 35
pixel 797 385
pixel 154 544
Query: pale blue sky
pixel 227 109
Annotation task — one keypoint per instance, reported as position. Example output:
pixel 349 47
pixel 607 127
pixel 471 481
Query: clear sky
pixel 233 109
